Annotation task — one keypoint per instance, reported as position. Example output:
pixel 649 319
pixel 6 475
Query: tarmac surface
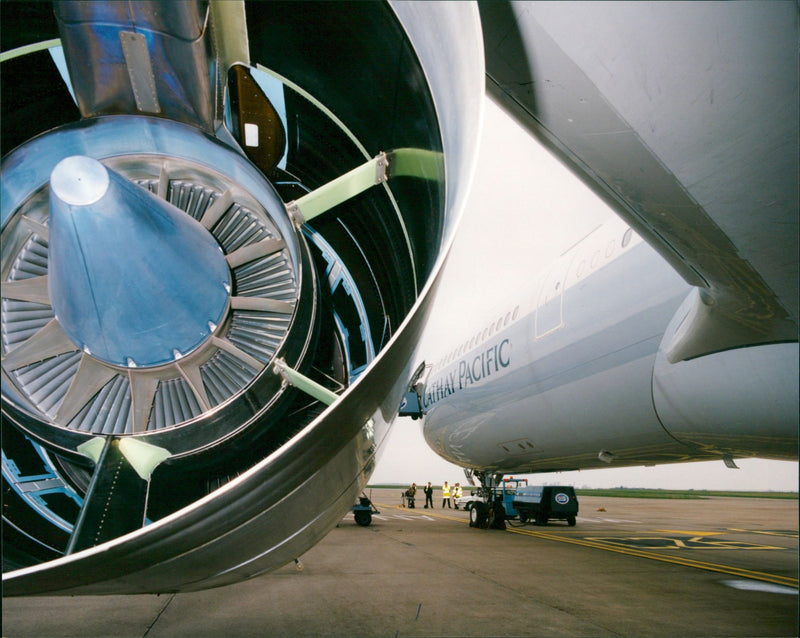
pixel 630 567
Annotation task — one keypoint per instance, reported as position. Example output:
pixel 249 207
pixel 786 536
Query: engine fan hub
pixel 134 281
pixel 150 275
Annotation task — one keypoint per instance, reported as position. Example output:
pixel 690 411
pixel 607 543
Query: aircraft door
pixel 549 305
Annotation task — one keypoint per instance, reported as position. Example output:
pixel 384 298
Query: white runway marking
pixel 605 520
pixel 754 585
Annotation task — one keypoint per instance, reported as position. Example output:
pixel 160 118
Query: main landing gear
pixel 488 513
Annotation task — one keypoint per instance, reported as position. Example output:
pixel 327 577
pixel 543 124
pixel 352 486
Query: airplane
pixel 664 331
pixel 196 388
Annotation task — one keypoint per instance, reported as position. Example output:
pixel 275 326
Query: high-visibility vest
pixel 457 491
pixel 446 491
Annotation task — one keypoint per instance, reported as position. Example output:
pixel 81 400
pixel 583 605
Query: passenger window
pixel 626 238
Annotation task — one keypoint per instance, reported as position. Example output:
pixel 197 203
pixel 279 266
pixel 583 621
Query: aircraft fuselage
pixel 575 375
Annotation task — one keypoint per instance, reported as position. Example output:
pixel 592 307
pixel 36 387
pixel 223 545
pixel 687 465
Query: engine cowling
pixel 214 280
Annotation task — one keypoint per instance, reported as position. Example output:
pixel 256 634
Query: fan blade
pixel 47 342
pixel 33 289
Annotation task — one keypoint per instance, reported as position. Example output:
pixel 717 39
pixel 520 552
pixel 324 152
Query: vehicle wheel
pixel 477 515
pixel 362 517
pixel 541 519
pixel 497 517
pixel 468 506
pixel 571 521
pixel 523 517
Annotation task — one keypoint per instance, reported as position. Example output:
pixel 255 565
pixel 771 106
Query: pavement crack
pixel 158 615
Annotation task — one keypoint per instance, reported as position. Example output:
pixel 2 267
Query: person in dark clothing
pixel 428 489
pixel 411 493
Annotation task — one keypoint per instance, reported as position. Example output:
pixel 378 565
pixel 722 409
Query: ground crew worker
pixel 446 495
pixel 411 493
pixel 457 492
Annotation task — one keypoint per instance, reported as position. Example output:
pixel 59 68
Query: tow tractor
pixel 497 500
pixel 493 503
pixel 541 503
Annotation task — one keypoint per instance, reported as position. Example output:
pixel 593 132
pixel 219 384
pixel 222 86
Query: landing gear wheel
pixel 362 517
pixel 497 517
pixel 478 516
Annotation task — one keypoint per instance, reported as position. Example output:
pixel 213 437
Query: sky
pixel 479 275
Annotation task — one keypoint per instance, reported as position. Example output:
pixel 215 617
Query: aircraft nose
pixel 133 280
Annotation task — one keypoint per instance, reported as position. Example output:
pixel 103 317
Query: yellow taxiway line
pixel 675 560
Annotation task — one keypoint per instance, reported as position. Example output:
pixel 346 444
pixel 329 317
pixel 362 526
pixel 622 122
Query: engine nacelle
pixel 734 401
pixel 220 244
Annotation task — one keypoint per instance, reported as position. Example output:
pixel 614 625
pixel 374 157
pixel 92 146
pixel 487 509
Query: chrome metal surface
pixel 148 57
pixel 99 304
pixel 133 280
pixel 140 71
pixel 78 181
pixel 444 39
pixel 258 472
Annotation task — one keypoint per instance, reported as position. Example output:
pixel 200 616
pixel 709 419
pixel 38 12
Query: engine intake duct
pixel 214 273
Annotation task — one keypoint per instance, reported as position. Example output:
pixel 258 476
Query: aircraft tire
pixel 496 517
pixel 477 515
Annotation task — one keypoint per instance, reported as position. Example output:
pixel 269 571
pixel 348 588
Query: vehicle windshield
pixel 510 487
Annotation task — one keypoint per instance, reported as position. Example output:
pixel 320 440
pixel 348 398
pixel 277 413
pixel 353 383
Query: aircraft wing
pixel 683 116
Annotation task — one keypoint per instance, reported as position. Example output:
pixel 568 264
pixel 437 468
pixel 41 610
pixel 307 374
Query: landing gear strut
pixel 489 513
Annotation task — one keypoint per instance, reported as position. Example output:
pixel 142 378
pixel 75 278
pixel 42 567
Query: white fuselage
pixel 571 374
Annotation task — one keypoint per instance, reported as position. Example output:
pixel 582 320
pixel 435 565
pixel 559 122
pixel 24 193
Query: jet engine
pixel 222 227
